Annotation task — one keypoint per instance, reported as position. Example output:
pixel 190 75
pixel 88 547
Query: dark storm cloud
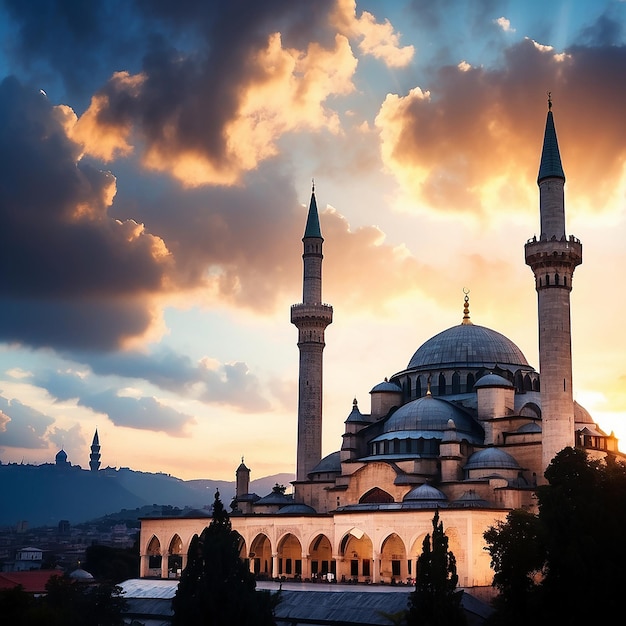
pixel 25 428
pixel 71 275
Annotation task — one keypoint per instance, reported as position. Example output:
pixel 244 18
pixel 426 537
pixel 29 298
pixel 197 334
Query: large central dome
pixel 467 345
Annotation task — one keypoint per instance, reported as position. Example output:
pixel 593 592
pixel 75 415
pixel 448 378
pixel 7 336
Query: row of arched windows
pixel 441 385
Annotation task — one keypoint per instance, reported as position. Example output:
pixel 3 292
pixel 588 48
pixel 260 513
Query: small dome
pixel 493 380
pixel 386 387
pixel 425 492
pixel 468 345
pixel 81 575
pixel 274 498
pixel 432 415
pixel 297 509
pixel 491 458
pixel 581 414
pixel 61 456
pixel 470 500
pixel 330 463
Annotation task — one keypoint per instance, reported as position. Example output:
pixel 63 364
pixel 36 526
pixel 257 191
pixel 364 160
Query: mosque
pixel 467 428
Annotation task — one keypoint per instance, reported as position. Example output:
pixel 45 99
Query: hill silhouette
pixel 43 495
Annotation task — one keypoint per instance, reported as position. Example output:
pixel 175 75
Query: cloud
pixel 504 24
pixel 377 39
pixel 469 146
pixel 185 131
pixel 72 274
pixel 207 381
pixel 145 413
pixel 67 438
pixel 23 426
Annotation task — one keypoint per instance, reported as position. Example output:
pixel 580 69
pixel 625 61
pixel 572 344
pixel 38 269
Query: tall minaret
pixel 311 317
pixel 94 457
pixel 553 259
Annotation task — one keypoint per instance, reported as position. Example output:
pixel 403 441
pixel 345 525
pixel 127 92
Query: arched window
pixel 469 385
pixel 456 383
pixel 418 387
pixel 441 388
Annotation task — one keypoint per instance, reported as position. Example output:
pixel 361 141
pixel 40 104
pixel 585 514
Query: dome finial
pixel 549 100
pixel 466 315
pixel 428 391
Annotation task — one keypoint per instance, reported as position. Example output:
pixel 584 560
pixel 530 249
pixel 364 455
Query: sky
pixel 157 163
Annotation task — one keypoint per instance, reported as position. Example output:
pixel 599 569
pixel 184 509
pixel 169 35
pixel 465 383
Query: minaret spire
pixel 553 259
pixel 311 317
pixel 94 457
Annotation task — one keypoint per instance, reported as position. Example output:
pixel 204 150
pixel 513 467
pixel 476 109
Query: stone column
pixel 164 564
pixel 376 568
pixel 275 565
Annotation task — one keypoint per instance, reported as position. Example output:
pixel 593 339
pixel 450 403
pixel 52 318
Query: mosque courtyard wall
pixel 378 547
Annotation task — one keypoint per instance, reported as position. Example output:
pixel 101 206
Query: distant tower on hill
pixel 94 457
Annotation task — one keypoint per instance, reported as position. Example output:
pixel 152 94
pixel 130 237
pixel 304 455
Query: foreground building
pixel 467 427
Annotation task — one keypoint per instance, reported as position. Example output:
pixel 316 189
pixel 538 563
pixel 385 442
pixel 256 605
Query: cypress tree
pixel 216 587
pixel 436 601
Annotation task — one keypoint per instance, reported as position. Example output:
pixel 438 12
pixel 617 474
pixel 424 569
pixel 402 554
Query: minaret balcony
pixel 545 253
pixel 311 312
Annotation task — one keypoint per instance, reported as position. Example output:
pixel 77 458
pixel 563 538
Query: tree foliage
pixel 216 587
pixel 65 603
pixel 575 540
pixel 436 600
pixel 112 564
pixel 517 552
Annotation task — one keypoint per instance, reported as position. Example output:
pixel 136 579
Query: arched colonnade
pixel 323 547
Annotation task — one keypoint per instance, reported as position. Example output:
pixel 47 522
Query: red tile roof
pixel 33 581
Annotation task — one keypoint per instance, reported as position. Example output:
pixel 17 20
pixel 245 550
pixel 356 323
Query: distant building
pixel 467 427
pixel 26 559
pixel 60 459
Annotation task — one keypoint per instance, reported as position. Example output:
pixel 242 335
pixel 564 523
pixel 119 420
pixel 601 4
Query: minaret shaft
pixel 553 258
pixel 311 317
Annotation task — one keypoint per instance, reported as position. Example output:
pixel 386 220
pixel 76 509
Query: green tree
pixel 217 588
pixel 112 564
pixel 578 532
pixel 436 600
pixel 71 603
pixel 583 512
pixel 518 555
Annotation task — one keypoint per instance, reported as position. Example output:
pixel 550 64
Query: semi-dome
pixel 468 345
pixel 425 492
pixel 428 416
pixel 297 509
pixel 330 463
